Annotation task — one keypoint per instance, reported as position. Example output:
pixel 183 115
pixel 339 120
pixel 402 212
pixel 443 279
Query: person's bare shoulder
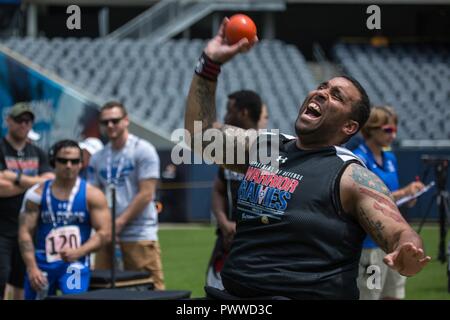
pixel 93 192
pixel 356 176
pixel 33 197
pixel 37 188
pixel 94 195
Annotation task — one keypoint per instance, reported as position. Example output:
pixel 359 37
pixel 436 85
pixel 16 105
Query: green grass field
pixel 431 282
pixel 185 255
pixel 186 250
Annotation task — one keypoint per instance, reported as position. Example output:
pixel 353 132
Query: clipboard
pixel 403 200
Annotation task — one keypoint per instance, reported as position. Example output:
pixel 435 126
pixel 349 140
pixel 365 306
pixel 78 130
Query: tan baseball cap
pixel 21 108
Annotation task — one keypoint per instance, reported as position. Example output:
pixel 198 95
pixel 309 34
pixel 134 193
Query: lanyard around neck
pixel 109 179
pixel 73 193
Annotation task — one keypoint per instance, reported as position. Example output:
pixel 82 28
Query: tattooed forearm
pixel 22 218
pixel 378 198
pixel 392 214
pixel 375 229
pixel 28 218
pixel 367 179
pixel 205 96
pixel 26 246
pixel 390 211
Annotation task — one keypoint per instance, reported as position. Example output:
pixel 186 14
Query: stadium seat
pixel 154 80
pixel 411 78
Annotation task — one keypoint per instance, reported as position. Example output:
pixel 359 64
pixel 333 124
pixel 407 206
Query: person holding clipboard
pixel 379 132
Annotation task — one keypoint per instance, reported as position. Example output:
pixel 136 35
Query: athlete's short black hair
pixel 53 151
pixel 360 109
pixel 248 100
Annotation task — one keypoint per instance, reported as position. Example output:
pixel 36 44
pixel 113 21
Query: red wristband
pixel 207 68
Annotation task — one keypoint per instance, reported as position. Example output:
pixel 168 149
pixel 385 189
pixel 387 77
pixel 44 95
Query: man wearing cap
pixel 89 146
pixel 22 165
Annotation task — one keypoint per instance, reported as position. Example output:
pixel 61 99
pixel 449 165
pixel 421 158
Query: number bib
pixel 59 239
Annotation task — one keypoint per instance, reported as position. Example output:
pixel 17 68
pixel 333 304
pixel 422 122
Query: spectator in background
pixel 10 292
pixel 89 146
pixel 263 122
pixel 22 165
pixel 69 208
pixel 131 165
pixel 379 132
pixel 244 110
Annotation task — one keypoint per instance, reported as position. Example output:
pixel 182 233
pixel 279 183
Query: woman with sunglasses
pixel 379 132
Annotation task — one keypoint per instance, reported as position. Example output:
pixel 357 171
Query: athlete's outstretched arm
pixel 365 196
pixel 100 221
pixel 201 105
pixel 28 220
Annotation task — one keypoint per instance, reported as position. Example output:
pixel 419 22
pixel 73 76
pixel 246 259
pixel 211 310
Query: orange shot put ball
pixel 240 26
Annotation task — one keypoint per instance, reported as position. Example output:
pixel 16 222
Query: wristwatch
pixel 18 178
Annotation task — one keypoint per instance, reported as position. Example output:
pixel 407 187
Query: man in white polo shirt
pixel 131 165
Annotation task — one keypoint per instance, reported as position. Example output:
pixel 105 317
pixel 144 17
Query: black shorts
pixel 12 267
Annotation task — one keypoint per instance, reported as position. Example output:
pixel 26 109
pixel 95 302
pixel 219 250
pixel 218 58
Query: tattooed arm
pixel 28 220
pixel 201 105
pixel 366 197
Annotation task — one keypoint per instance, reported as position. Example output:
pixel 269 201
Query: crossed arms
pixel 9 189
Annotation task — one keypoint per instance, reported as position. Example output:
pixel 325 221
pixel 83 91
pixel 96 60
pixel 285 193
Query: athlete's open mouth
pixel 313 110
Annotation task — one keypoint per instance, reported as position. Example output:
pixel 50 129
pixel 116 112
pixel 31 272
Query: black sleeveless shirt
pixel 293 239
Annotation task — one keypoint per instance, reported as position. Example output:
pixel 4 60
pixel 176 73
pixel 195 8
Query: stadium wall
pixel 60 111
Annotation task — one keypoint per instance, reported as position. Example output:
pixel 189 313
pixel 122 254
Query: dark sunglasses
pixel 21 120
pixel 389 129
pixel 113 120
pixel 66 160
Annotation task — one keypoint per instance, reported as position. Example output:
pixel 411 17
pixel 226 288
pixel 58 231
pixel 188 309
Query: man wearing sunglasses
pixel 131 166
pixel 21 166
pixel 379 133
pixel 56 223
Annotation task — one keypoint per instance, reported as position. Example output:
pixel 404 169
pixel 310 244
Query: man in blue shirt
pixel 56 223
